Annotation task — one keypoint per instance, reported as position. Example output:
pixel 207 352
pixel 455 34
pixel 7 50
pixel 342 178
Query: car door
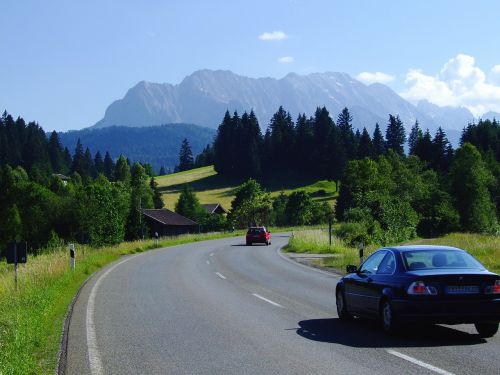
pixel 359 289
pixel 383 278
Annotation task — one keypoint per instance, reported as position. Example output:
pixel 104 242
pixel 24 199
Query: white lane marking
pixel 419 363
pixel 93 351
pixel 267 300
pixel 220 275
pixel 208 262
pixel 211 254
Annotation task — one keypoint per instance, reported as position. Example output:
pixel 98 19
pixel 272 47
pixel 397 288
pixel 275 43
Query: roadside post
pixel 156 238
pixel 330 230
pixel 16 253
pixel 72 256
pixel 361 257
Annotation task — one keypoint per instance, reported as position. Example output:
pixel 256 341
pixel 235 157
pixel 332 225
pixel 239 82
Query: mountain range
pixel 203 97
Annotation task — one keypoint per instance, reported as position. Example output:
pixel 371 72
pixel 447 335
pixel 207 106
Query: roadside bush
pixel 353 233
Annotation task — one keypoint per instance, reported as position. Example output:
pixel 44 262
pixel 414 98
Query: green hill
pixel 210 187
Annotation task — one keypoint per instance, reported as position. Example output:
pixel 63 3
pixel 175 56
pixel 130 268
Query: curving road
pixel 219 307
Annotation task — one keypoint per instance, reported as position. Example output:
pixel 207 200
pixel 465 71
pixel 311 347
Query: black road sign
pixel 16 252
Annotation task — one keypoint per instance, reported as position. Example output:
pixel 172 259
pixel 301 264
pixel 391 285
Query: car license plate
pixel 462 289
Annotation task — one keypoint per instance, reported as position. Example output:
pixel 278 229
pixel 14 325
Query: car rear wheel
pixel 341 306
pixel 268 243
pixel 249 243
pixel 389 322
pixel 486 329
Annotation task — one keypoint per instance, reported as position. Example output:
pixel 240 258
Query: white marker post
pixel 72 256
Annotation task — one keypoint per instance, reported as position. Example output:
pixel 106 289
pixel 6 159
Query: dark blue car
pixel 428 284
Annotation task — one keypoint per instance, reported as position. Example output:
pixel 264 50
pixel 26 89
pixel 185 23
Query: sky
pixel 63 62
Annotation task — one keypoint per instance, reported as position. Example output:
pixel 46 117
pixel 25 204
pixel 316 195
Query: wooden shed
pixel 168 223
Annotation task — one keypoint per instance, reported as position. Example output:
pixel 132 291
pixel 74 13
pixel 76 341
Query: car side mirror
pixel 351 269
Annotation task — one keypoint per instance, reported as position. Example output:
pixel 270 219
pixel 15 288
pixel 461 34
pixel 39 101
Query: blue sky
pixel 64 62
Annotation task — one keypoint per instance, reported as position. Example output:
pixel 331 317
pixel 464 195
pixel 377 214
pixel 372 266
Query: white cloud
pixel 286 59
pixel 495 74
pixel 275 35
pixel 459 83
pixel 368 78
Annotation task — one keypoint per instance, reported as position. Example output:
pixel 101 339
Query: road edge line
pixel 288 259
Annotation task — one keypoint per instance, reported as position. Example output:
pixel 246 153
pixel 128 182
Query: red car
pixel 258 235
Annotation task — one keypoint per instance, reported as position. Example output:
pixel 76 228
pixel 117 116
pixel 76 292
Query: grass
pixel 211 187
pixel 486 248
pixel 31 318
pixel 316 241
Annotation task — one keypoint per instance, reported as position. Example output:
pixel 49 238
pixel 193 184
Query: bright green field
pixel 213 188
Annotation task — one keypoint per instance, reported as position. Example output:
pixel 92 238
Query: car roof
pixel 423 248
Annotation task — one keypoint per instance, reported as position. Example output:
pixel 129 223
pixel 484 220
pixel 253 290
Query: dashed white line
pixel 208 262
pixel 267 300
pixel 419 363
pixel 211 254
pixel 93 351
pixel 221 275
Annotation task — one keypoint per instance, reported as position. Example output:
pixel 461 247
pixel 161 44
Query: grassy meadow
pixel 31 318
pixel 485 248
pixel 213 188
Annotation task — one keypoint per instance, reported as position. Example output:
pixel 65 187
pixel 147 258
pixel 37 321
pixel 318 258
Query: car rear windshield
pixel 435 259
pixel 256 231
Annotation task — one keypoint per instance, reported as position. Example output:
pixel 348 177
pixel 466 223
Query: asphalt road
pixel 219 307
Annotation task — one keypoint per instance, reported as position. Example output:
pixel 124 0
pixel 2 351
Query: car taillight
pixel 420 289
pixel 493 289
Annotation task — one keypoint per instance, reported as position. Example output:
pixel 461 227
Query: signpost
pixel 361 257
pixel 72 256
pixel 16 253
pixel 330 230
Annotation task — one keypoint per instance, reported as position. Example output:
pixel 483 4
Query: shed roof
pixel 212 207
pixel 168 217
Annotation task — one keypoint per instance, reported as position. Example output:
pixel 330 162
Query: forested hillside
pixel 386 195
pixel 155 145
pixel 99 204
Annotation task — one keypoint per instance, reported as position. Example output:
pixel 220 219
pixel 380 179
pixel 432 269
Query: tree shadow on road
pixel 362 333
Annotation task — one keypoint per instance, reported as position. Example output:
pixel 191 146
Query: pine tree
pixel 442 152
pixel 378 142
pixel 98 163
pixel 415 135
pixel 282 138
pixel 90 170
pixel 395 135
pixel 303 143
pixel 423 148
pixel 188 205
pixel 365 149
pixel 186 161
pixel 162 172
pixel 78 165
pixel 122 170
pixel 347 137
pixel 109 167
pixel 56 153
pixel 222 146
pixel 251 140
pixel 325 163
pixel 157 199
